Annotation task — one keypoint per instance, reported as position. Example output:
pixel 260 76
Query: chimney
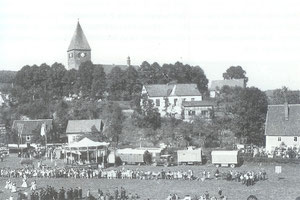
pixel 128 61
pixel 286 104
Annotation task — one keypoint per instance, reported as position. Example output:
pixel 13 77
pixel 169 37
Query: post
pixel 88 156
pixel 97 155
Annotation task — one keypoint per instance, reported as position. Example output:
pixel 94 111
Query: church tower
pixel 79 50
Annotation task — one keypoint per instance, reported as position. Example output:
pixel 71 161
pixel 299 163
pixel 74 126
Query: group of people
pixel 47 172
pixel 12 186
pixel 205 196
pixel 247 178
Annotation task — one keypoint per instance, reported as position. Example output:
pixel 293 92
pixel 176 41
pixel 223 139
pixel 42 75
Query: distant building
pixel 79 51
pixel 77 129
pixel 282 126
pixel 168 98
pixel 29 130
pixel 202 109
pixel 217 85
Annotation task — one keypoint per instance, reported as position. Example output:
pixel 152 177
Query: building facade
pixel 282 126
pixel 77 129
pixel 202 109
pixel 168 98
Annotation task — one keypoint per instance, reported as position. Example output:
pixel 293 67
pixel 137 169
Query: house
pixel 168 98
pixel 76 129
pixel 217 85
pixel 203 109
pixel 29 130
pixel 282 126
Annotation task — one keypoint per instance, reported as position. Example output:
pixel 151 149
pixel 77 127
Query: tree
pixel 99 83
pixel 280 96
pixel 116 119
pixel 235 73
pixel 132 86
pixel 150 74
pixel 250 115
pixel 197 76
pixel 85 78
pixel 115 84
pixel 57 73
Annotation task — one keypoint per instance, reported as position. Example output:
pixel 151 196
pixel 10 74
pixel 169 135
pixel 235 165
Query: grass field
pixel 286 186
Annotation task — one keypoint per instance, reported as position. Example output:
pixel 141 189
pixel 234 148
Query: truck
pixel 131 156
pixel 225 158
pixel 165 160
pixel 189 156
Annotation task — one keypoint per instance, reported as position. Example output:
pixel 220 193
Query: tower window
pixel 175 101
pixel 279 139
pixel 295 139
pixel 70 55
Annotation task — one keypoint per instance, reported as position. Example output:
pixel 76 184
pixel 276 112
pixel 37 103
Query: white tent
pixel 86 142
pixel 86 146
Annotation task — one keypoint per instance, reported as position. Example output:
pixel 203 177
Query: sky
pixel 262 36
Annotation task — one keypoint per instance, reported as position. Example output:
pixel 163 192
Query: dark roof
pixel 84 126
pixel 218 84
pixel 164 90
pixel 79 41
pixel 197 103
pixel 108 68
pixel 277 125
pixel 30 127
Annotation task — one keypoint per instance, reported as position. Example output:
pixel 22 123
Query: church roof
pixel 79 40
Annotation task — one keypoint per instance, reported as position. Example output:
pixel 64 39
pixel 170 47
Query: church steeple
pixel 79 50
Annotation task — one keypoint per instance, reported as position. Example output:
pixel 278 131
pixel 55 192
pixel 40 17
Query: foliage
pixel 235 73
pixel 280 96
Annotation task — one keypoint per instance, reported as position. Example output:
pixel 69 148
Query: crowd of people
pixel 51 193
pixel 246 177
pixel 205 196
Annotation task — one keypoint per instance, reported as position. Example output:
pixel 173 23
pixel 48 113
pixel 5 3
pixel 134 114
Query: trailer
pixel 189 156
pixel 131 156
pixel 225 158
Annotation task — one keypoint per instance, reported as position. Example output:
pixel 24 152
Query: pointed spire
pixel 79 40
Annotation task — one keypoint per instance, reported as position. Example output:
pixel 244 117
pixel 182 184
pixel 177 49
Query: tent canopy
pixel 86 142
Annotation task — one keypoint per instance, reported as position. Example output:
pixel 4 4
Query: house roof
pixel 164 90
pixel 79 41
pixel 277 125
pixel 197 103
pixel 31 127
pixel 218 84
pixel 84 126
pixel 107 68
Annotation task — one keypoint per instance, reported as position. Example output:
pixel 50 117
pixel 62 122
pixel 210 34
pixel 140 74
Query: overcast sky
pixel 262 36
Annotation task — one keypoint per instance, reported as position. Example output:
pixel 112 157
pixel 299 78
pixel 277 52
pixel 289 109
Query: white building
pixel 168 98
pixel 282 126
pixel 203 109
pixel 77 129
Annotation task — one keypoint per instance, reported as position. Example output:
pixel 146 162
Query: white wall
pixel 273 141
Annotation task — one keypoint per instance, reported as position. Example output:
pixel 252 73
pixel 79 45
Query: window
pixel 204 113
pixel 295 139
pixel 192 99
pixel 279 139
pixel 175 101
pixel 191 113
pixel 157 102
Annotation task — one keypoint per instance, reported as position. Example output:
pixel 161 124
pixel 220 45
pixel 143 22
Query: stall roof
pixel 86 142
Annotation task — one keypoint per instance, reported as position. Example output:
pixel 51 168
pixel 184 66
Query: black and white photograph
pixel 149 100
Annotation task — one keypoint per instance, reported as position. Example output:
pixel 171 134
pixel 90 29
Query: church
pixel 79 51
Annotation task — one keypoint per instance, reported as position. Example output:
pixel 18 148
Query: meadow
pixel 285 186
